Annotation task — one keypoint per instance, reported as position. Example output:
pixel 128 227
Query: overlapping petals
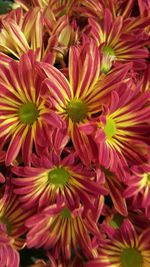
pixel 12 227
pixel 119 130
pixel 53 179
pixel 82 96
pixel 59 229
pixel 118 40
pixel 124 248
pixel 23 113
pixel 74 133
pixel 8 255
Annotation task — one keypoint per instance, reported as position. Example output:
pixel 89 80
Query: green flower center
pixel 58 176
pixel 117 221
pixel 77 110
pixel 66 213
pixel 108 57
pixel 148 178
pixel 108 50
pixel 7 223
pixel 131 257
pixel 110 128
pixel 28 113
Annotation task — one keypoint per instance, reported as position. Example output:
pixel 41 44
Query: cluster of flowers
pixel 75 133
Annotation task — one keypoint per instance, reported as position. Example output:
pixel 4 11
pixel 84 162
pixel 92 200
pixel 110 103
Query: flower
pixel 12 219
pixel 12 215
pixel 121 130
pixel 75 133
pixel 138 187
pixel 21 32
pixel 40 31
pixel 118 41
pixel 124 248
pixel 144 9
pixel 53 178
pixel 81 98
pixel 23 113
pixel 63 34
pixel 90 8
pixel 96 8
pixel 62 231
pixel 59 8
pixel 8 255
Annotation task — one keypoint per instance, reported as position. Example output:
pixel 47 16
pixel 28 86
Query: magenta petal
pixel 14 148
pixel 53 119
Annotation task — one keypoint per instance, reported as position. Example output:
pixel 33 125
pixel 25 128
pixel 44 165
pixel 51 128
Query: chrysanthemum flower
pixel 135 215
pixel 120 8
pixel 8 255
pixel 119 40
pixel 59 7
pixel 68 33
pixel 20 32
pixel 144 9
pixel 23 113
pixel 96 8
pixel 121 131
pixel 53 179
pixel 12 215
pixel 81 98
pixel 39 31
pixel 12 219
pixel 62 231
pixel 61 35
pixel 138 187
pixel 124 248
pixel 90 8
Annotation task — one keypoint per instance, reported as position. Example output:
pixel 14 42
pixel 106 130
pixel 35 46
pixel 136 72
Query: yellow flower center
pixel 28 113
pixel 77 110
pixel 58 176
pixel 110 128
pixel 131 257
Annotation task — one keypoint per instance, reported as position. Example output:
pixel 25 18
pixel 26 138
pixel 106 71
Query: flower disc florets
pixel 58 176
pixel 77 110
pixel 28 113
pixel 131 257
